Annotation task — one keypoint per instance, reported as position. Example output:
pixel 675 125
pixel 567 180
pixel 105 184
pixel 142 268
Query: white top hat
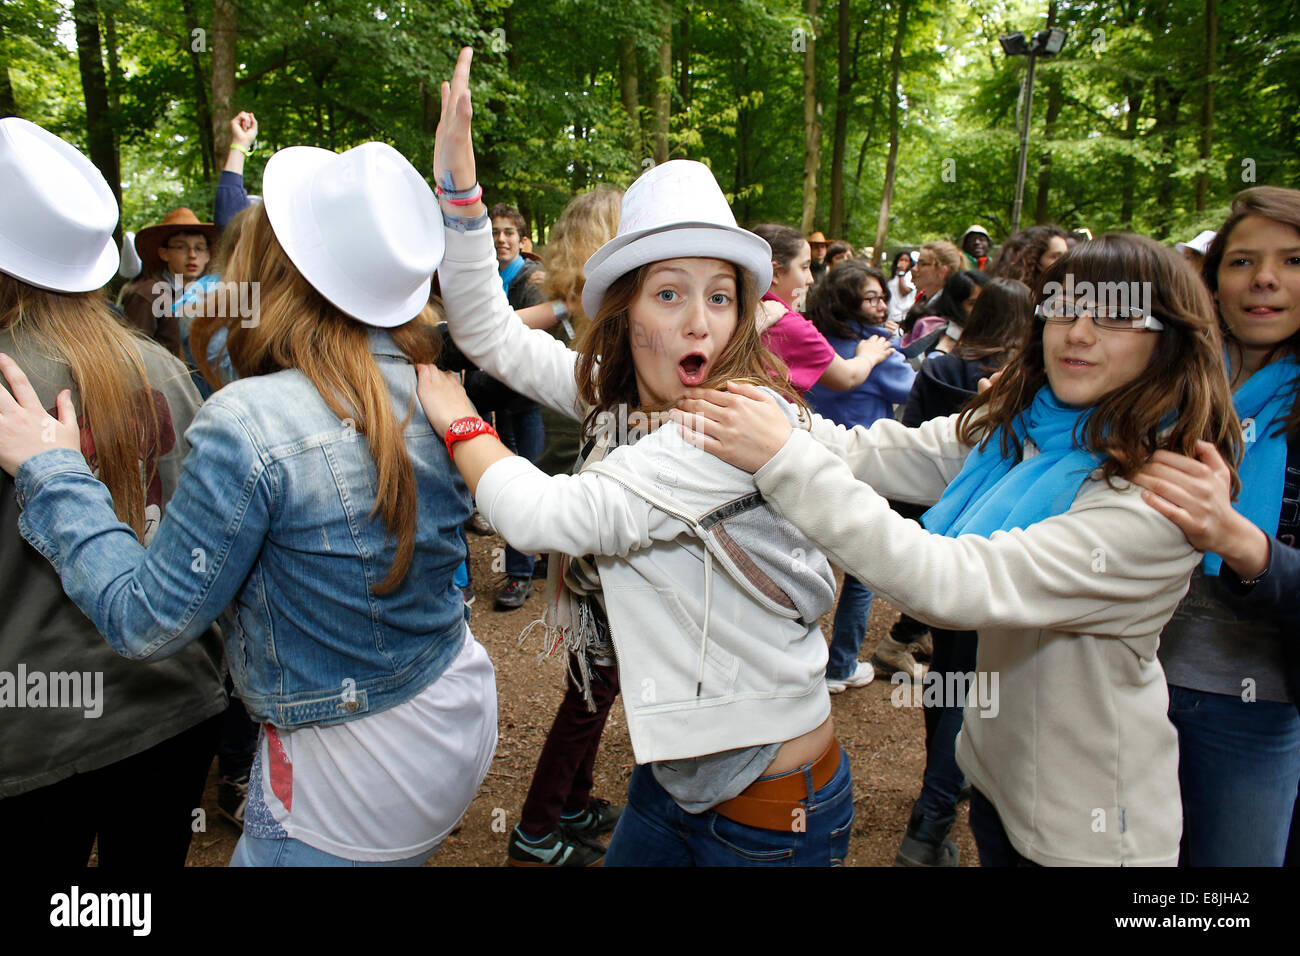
pixel 362 227
pixel 1199 244
pixel 57 215
pixel 674 211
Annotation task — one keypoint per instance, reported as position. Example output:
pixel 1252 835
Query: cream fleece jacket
pixel 1080 760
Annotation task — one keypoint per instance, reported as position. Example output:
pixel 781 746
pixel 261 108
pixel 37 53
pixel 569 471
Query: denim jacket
pixel 271 529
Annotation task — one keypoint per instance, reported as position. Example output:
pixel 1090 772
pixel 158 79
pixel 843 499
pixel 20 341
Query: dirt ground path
pixel 885 744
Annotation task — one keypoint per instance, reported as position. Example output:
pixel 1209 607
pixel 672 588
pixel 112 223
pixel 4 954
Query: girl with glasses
pixel 1037 540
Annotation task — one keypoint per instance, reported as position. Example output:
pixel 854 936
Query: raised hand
pixel 243 129
pixel 26 429
pixel 453 148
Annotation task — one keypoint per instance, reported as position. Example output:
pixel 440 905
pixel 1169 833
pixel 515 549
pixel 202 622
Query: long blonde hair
pixel 587 223
pixel 298 328
pixel 104 361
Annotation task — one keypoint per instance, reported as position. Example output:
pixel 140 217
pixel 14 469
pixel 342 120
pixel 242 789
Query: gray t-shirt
pixel 1214 644
pixel 698 783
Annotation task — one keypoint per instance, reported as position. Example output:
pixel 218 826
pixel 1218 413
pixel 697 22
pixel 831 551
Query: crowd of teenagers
pixel 237 492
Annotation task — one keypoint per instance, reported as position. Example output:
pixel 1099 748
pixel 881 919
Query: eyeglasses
pixel 196 249
pixel 873 299
pixel 927 262
pixel 1115 319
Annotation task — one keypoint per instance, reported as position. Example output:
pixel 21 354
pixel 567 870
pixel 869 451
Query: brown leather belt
pixel 772 804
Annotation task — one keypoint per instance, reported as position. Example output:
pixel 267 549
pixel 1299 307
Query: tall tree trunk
pixel 1133 96
pixel 114 78
pixel 224 36
pixel 1055 99
pixel 812 151
pixel 663 91
pixel 630 94
pixel 100 136
pixel 843 103
pixel 744 128
pixel 684 57
pixel 203 112
pixel 1166 100
pixel 8 105
pixel 891 164
pixel 1207 101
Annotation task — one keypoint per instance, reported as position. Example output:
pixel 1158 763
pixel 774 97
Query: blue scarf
pixel 509 272
pixel 993 493
pixel 1264 399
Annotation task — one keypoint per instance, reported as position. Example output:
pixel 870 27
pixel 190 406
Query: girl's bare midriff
pixel 802 749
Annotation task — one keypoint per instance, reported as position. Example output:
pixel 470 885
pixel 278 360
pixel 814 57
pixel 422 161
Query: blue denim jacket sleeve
pixel 149 603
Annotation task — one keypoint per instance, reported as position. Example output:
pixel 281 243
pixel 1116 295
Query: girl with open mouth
pixel 710 602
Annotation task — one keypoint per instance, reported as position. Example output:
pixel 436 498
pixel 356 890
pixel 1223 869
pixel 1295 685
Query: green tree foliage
pixel 1122 149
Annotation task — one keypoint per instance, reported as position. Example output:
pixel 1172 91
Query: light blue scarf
pixel 993 493
pixel 509 272
pixel 1263 401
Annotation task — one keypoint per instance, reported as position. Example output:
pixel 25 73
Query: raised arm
pixel 479 316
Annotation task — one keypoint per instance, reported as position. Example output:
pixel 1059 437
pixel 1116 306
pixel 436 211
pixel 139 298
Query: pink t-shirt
pixel 797 342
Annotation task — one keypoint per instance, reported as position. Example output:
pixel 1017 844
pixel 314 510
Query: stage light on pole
pixel 1044 43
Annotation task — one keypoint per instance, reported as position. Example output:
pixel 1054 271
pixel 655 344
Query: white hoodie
pixel 707 661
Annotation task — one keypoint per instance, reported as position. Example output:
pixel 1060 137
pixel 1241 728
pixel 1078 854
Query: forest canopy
pixel 810 112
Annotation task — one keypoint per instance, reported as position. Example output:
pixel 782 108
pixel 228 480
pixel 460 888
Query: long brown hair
pixel 607 375
pixel 104 361
pixel 1183 382
pixel 1282 206
pixel 999 321
pixel 299 328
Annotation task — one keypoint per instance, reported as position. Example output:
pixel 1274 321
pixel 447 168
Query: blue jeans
pixel 848 629
pixel 525 435
pixel 954 652
pixel 1238 768
pixel 991 837
pixel 655 831
pixel 286 851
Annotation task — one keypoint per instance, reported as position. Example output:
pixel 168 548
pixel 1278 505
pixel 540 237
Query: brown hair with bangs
pixel 104 361
pixel 1184 381
pixel 607 376
pixel 1282 206
pixel 299 328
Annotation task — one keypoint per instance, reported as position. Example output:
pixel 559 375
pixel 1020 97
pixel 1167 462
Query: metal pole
pixel 1024 145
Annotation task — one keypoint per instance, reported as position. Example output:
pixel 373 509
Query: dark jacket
pixel 944 384
pixel 488 394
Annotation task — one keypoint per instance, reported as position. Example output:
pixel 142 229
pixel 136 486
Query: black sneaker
pixel 557 848
pixel 232 798
pixel 539 567
pixel 600 817
pixel 514 594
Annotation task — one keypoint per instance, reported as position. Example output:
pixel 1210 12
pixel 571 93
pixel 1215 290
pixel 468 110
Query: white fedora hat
pixel 362 227
pixel 57 214
pixel 674 211
pixel 1199 244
